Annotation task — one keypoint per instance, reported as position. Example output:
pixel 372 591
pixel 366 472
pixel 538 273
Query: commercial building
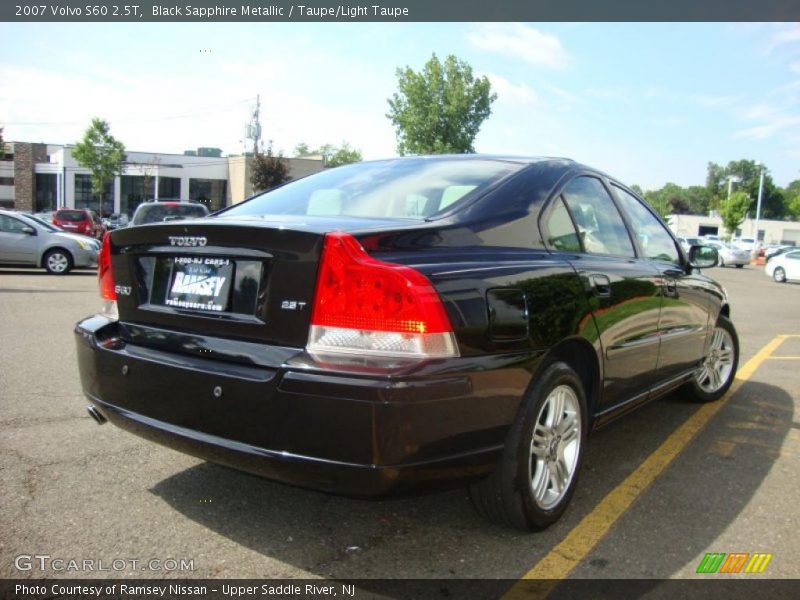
pixel 769 231
pixel 44 177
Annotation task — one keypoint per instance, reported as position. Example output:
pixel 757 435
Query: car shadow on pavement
pixel 438 535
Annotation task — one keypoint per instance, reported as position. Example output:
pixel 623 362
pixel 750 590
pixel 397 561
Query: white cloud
pixel 767 130
pixel 795 67
pixel 522 42
pixel 518 93
pixel 784 34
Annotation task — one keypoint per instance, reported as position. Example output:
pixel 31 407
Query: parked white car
pixel 784 267
pixel 728 255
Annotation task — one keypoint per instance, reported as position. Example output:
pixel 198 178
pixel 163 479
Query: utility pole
pixel 758 207
pixel 253 128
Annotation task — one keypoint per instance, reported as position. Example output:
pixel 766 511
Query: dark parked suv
pixel 396 324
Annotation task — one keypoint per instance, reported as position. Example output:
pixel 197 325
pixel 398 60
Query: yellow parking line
pixel 563 558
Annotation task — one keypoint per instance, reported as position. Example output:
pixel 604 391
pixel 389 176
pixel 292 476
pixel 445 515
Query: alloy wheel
pixel 715 371
pixel 555 447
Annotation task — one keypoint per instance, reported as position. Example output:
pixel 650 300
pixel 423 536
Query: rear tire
pixel 739 266
pixel 779 275
pixel 715 376
pixel 536 476
pixel 57 262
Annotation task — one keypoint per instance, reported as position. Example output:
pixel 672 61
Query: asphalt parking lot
pixel 659 488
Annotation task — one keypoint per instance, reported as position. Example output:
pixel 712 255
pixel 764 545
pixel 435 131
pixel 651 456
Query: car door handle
pixel 601 285
pixel 671 288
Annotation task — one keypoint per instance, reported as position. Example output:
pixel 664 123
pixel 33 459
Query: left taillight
pixel 105 278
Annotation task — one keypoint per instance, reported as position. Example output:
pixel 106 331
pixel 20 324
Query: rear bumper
pixel 335 432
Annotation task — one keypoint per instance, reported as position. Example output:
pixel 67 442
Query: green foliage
pixel 302 150
pixel 746 174
pixel 440 109
pixel 733 210
pixel 269 170
pixel 674 199
pixel 793 207
pixel 332 156
pixel 2 144
pixel 101 153
pixel 344 155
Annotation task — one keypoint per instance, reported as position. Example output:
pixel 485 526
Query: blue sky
pixel 650 103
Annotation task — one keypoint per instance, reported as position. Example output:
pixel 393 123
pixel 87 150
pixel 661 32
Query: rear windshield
pixel 155 212
pixel 71 215
pixel 405 189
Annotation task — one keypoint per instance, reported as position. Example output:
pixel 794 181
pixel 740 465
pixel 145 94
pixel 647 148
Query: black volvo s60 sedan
pixel 402 323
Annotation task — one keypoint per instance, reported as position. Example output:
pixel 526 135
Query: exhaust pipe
pixel 96 415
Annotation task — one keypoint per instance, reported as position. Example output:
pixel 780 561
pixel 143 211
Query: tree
pixel 269 170
pixel 440 109
pixel 332 156
pixel 2 144
pixel 101 153
pixel 734 210
pixel 343 155
pixel 747 174
pixel 302 150
pixel 794 207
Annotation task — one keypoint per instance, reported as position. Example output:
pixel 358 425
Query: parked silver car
pixel 728 255
pixel 26 241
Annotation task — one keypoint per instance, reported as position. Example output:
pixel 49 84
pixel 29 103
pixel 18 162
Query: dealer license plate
pixel 200 283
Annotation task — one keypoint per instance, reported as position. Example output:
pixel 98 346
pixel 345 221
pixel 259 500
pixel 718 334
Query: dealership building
pixel 769 231
pixel 44 177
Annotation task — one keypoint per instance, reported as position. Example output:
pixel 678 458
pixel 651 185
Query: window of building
pixel 601 228
pixel 6 181
pixel 46 192
pixel 135 189
pixel 654 239
pixel 169 187
pixel 86 198
pixel 210 192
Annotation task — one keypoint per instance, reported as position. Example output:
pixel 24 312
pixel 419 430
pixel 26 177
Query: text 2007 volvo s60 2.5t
pixel 393 324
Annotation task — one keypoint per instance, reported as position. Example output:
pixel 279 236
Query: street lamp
pixel 731 179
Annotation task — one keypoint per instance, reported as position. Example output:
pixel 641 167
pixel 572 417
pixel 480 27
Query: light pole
pixel 758 208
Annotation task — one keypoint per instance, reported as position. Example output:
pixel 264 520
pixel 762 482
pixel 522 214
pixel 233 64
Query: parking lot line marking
pixel 564 557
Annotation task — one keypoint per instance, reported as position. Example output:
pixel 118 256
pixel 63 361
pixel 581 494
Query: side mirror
pixel 29 230
pixel 703 257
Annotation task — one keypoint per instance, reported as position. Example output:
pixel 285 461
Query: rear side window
pixel 561 233
pixel 653 237
pixel 600 226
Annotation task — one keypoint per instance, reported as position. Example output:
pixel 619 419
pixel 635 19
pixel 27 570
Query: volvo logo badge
pixel 187 240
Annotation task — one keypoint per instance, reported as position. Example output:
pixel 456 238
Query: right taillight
pixel 368 307
pixel 105 278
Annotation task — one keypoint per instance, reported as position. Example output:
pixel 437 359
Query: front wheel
pixel 779 275
pixel 740 266
pixel 58 262
pixel 535 478
pixel 716 374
